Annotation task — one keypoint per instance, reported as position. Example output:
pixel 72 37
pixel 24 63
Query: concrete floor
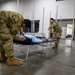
pixel 61 63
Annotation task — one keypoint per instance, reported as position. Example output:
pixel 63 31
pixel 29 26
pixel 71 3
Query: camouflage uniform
pixel 10 23
pixel 57 32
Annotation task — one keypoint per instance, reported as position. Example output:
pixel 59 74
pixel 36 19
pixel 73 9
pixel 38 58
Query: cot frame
pixel 44 45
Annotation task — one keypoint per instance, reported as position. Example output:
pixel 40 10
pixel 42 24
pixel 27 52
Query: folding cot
pixel 29 44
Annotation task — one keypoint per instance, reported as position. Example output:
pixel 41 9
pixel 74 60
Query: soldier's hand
pixel 22 32
pixel 22 39
pixel 48 28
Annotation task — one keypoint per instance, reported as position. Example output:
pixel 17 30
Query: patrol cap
pixel 27 22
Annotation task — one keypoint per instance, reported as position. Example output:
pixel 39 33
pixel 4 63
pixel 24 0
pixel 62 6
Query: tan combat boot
pixel 3 58
pixel 55 47
pixel 14 62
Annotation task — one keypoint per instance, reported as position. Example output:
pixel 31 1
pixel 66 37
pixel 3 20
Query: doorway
pixel 69 31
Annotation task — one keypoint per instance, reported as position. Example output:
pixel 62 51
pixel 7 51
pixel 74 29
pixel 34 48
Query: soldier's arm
pixel 16 22
pixel 15 27
pixel 14 30
pixel 15 37
pixel 51 26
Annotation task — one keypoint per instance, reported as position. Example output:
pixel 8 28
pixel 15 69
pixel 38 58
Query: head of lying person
pixel 26 23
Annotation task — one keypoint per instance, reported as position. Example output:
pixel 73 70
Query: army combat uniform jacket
pixel 10 24
pixel 57 30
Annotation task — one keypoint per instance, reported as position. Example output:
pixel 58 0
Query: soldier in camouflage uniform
pixel 57 31
pixel 10 24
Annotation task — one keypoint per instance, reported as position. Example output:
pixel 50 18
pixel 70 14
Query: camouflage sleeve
pixel 16 22
pixel 15 28
pixel 15 37
pixel 53 25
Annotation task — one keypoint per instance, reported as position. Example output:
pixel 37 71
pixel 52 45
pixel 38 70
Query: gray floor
pixel 61 63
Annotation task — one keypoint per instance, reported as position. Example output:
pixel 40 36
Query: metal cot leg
pixel 28 52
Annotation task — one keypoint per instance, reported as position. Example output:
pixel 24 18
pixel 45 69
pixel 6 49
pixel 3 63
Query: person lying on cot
pixel 10 23
pixel 32 38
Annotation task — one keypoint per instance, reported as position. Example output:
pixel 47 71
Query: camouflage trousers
pixel 57 43
pixel 56 36
pixel 6 44
pixel 6 40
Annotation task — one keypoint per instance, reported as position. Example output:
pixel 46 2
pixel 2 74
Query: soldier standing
pixel 10 24
pixel 57 31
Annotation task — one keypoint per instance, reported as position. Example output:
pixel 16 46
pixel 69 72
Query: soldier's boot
pixel 56 46
pixel 14 62
pixel 3 58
